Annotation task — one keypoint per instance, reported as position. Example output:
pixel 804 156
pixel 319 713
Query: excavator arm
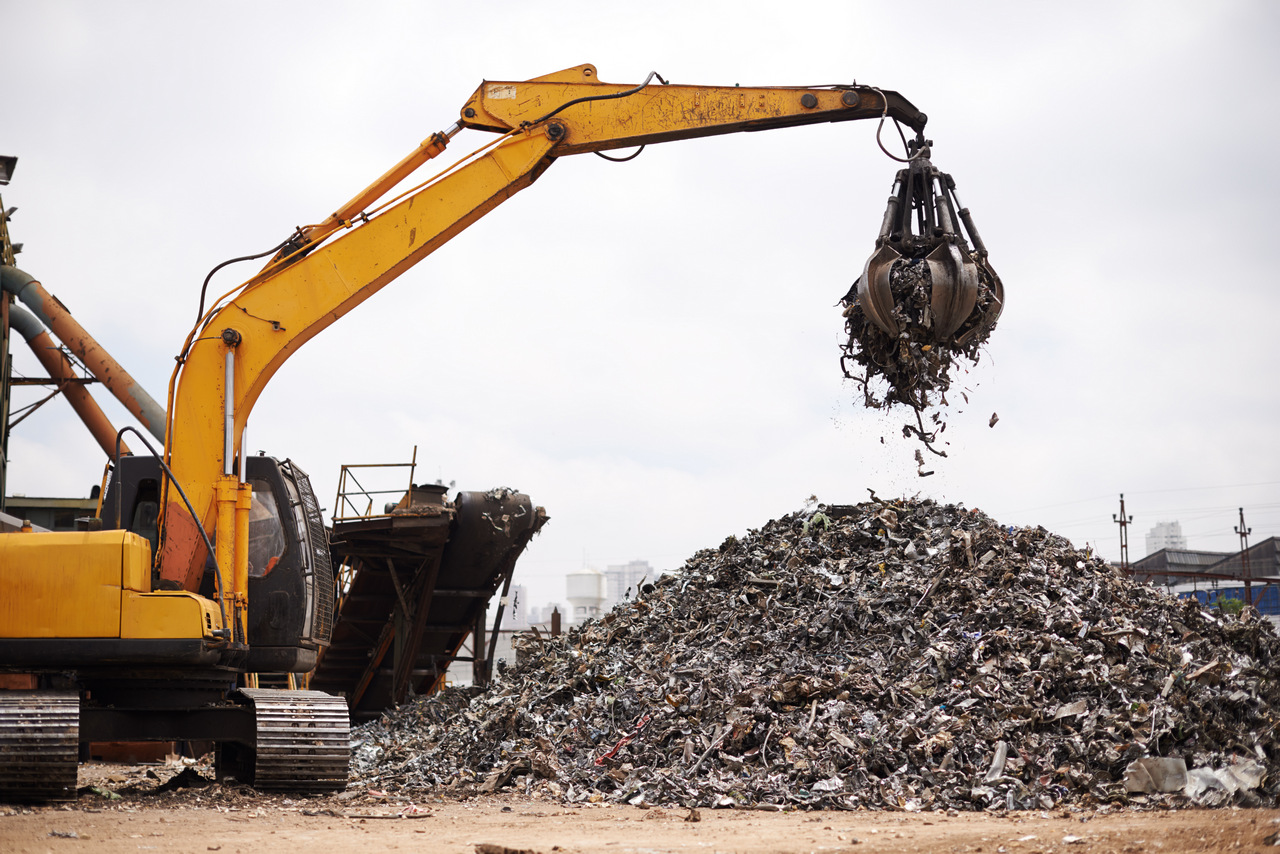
pixel 328 269
pixel 639 115
pixel 601 116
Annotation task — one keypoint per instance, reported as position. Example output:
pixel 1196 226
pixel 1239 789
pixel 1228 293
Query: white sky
pixel 650 349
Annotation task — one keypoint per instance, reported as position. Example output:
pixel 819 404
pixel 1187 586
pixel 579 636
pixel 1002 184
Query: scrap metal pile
pixel 889 655
pixel 926 301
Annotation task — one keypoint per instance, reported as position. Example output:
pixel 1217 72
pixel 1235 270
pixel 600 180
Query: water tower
pixel 585 592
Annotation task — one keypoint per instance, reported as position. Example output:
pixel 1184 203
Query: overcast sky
pixel 650 349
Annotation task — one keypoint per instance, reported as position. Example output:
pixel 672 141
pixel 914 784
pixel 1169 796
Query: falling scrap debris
pixel 889 655
pixel 926 302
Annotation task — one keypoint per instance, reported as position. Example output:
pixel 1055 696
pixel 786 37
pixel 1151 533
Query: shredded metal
pixel 913 369
pixel 899 655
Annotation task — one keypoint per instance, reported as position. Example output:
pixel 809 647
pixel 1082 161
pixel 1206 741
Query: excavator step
pixel 39 745
pixel 303 742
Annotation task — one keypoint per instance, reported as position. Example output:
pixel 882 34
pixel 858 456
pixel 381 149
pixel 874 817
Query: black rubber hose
pixel 217 580
pixel 205 287
pixel 567 104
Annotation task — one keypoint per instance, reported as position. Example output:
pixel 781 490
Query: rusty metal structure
pixel 72 365
pixel 415 580
pixel 65 380
pixel 1174 566
pixel 7 251
pixel 50 311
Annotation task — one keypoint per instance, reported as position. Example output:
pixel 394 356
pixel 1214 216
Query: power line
pixel 1147 492
pixel 1198 488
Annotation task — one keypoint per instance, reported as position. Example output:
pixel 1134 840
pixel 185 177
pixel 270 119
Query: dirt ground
pixel 234 819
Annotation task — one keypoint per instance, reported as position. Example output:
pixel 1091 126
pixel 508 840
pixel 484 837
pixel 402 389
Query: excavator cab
pixel 290 570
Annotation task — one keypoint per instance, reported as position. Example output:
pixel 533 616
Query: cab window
pixel 266 533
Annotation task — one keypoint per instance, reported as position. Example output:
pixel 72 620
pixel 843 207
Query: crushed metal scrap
pixel 911 368
pixel 889 655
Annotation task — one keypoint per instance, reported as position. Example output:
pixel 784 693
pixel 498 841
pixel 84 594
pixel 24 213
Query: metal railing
pixel 355 501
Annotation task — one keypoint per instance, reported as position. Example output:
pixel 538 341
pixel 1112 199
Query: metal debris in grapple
pixel 927 298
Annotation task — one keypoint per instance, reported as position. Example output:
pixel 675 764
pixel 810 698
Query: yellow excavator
pixel 142 629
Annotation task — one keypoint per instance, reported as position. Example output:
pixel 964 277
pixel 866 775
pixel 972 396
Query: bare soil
pixel 236 819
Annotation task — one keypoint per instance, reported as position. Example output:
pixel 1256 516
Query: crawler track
pixel 39 745
pixel 303 740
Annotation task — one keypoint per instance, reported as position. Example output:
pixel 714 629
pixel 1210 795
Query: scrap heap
pixel 889 655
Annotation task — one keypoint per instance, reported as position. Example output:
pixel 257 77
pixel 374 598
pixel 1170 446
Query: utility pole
pixel 1123 521
pixel 1244 559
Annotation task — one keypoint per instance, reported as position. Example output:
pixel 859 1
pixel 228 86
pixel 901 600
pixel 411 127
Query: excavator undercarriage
pixel 273 740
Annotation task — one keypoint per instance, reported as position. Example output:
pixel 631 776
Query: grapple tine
pixel 991 313
pixel 954 289
pixel 997 294
pixel 873 289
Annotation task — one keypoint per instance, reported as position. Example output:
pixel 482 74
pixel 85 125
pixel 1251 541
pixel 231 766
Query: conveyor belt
pixel 427 571
pixel 39 745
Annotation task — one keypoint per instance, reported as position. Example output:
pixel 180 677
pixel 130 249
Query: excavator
pixel 208 563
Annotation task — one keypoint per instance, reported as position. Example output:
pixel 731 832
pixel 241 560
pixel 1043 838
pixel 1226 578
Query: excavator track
pixel 39 745
pixel 303 740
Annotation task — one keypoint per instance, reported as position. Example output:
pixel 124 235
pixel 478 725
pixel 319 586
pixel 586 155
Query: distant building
pixel 53 514
pixel 1171 566
pixel 1165 535
pixel 1212 576
pixel 1260 564
pixel 1263 561
pixel 622 580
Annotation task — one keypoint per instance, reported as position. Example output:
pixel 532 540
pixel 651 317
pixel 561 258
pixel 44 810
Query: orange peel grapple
pixel 924 220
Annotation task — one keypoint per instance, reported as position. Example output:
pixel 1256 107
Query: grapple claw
pixel 924 222
pixel 955 289
pixel 989 314
pixel 874 294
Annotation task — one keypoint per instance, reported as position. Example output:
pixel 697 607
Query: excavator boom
pixel 331 268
